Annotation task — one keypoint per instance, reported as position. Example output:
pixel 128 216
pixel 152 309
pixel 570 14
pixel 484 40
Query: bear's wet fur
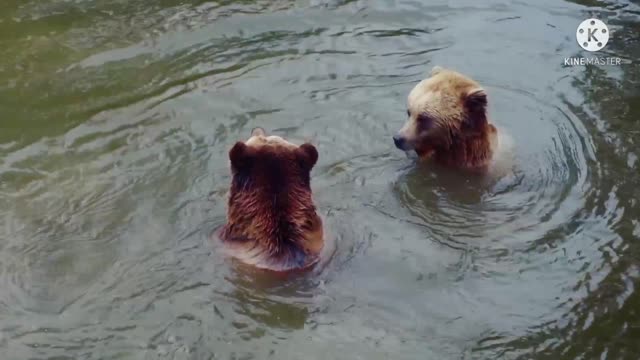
pixel 448 122
pixel 272 221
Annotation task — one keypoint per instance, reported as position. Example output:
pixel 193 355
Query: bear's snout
pixel 400 142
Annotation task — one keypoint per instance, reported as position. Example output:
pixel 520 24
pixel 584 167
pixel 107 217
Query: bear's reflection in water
pixel 271 299
pixel 454 204
pixel 434 183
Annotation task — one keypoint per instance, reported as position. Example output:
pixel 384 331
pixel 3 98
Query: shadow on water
pixel 606 323
pixel 93 67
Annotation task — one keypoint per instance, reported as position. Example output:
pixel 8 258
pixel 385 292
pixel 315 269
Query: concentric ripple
pixel 542 189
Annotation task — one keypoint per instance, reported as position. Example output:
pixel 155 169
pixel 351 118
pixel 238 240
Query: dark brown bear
pixel 271 219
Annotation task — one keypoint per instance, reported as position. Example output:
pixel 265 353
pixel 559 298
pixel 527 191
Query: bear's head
pixel 271 218
pixel 443 110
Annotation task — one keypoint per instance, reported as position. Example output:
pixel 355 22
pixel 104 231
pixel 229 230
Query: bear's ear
pixel 436 70
pixel 308 155
pixel 239 155
pixel 476 100
pixel 258 131
pixel 476 104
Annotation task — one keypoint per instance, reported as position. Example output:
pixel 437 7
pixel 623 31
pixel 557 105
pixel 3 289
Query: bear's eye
pixel 408 113
pixel 424 119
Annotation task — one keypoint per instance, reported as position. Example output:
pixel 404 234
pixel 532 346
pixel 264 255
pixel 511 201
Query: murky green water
pixel 115 122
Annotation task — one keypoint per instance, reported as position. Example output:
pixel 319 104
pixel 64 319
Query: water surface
pixel 115 122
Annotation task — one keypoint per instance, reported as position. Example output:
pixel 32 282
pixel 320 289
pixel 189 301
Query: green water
pixel 115 122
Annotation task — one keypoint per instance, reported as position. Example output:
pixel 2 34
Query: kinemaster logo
pixel 592 35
